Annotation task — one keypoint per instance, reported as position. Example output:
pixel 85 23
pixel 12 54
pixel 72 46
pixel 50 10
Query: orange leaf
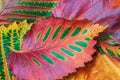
pixel 101 68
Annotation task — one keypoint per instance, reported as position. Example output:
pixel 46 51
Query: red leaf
pixel 53 48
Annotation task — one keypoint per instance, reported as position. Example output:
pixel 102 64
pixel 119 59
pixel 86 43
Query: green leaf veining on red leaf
pixel 53 48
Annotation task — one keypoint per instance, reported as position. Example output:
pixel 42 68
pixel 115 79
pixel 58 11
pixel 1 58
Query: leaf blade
pixel 10 39
pixel 64 60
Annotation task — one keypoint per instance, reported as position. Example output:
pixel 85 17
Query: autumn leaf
pixel 102 67
pixel 10 38
pixel 53 48
pixel 30 10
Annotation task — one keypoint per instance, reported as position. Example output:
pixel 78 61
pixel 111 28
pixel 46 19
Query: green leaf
pixel 10 39
pixel 113 51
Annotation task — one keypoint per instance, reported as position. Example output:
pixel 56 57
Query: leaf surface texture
pixel 53 48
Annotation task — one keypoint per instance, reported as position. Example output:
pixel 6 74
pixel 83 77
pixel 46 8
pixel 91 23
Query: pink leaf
pixel 53 48
pixel 99 11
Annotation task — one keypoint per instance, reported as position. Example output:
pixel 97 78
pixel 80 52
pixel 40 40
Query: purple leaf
pixel 99 11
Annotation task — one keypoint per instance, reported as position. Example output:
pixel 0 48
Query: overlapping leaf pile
pixel 55 47
pixel 102 12
pixel 99 11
